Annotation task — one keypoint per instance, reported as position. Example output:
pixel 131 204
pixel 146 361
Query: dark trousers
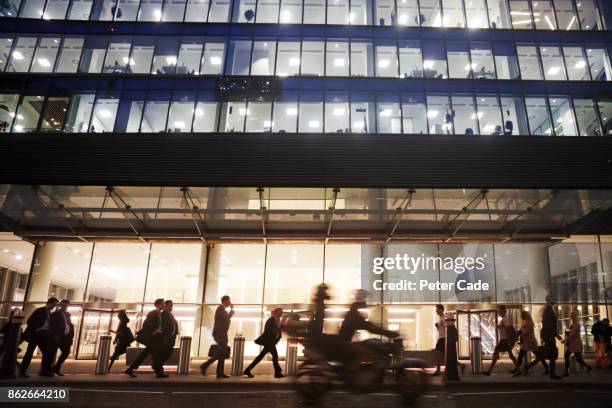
pixel 219 357
pixel 64 348
pixel 119 350
pixel 156 351
pixel 521 357
pixel 44 341
pixel 579 360
pixel 267 349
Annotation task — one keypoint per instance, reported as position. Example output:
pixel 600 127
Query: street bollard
pixel 238 355
pixel 291 357
pixel 10 346
pixel 476 357
pixel 451 373
pixel 104 342
pixel 184 355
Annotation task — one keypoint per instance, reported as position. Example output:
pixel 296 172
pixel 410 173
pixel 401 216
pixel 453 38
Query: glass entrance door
pixel 93 324
pixel 477 323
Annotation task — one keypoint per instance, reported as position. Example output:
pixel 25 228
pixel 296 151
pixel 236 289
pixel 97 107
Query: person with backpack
pixel 508 336
pixel 123 337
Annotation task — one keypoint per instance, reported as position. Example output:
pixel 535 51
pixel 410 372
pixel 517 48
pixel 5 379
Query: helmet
pixel 360 296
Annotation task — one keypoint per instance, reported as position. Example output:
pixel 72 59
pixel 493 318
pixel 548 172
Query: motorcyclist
pixel 353 320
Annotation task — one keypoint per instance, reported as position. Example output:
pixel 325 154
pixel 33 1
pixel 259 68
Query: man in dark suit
pixel 152 336
pixel 38 334
pixel 63 334
pixel 268 339
pixel 220 329
pixel 170 329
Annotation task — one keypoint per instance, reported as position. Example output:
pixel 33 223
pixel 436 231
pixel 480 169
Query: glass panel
pixel 288 58
pixel 32 9
pixel 453 13
pixel 543 15
pixel 118 272
pixel 175 272
pixel 143 49
pixel 104 114
pixel 588 124
pixel 430 15
pixel 165 59
pixel 28 114
pixel 291 12
pixel 338 12
pixel 212 60
pixel 314 11
pixel 189 56
pixel 150 10
pixel 238 57
pixel 477 15
pixel 489 117
pixel 389 117
pixel 310 118
pixel 304 262
pixel 363 113
pixel 499 15
pixel 465 115
pixel 506 61
pixel 22 54
pixel 385 12
pixel 537 112
pixel 233 115
pixel 386 60
pixel 117 56
pixel 263 57
pixel 5 50
pixel 174 10
pixel 552 63
pixel 521 272
pixel 181 113
pixel 414 114
pixel 458 60
pixel 155 114
pixel 361 12
pixel 413 251
pixel 575 64
pixel 285 117
pixel 69 56
pixel 410 59
pixel 407 13
pixel 8 108
pixel 80 9
pixel 337 55
pixel 482 61
pixel 439 115
pixel 197 11
pixel 515 117
pixel 244 11
pixel 563 116
pixel 313 58
pixel 588 15
pixel 136 111
pixel 434 60
pixel 599 63
pixel 565 15
pixel 258 117
pixel 528 61
pixel 461 275
pixel 10 8
pixel 605 110
pixel 92 59
pixel 336 113
pixel 46 52
pixel 521 14
pixel 205 119
pixel 56 9
pixel 362 58
pixel 574 273
pixel 55 114
pixel 219 11
pixel 79 114
pixel 127 11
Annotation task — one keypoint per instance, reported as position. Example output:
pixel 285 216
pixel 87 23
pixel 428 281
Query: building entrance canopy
pixel 96 213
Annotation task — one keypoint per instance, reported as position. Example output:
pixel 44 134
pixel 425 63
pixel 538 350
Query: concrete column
pixel 42 272
pixel 214 267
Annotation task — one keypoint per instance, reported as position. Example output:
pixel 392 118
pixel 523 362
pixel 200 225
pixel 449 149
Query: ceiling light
pixel 105 114
pixel 18 257
pixel 243 111
pixel 43 62
pixel 359 125
pixel 171 60
pixel 17 55
pixel 215 60
pixel 157 14
pixel 338 111
pixel 338 62
pixel 18 128
pixel 428 64
pixel 291 111
pixel 294 62
pixel 313 124
pixel 432 114
pixel 383 63
pixel 385 113
pixel 179 124
pixel 580 64
pixel 554 70
pixel 198 112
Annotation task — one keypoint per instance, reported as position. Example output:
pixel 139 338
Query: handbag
pixel 212 351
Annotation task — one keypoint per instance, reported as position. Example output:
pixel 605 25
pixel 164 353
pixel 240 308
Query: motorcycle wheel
pixel 411 384
pixel 312 383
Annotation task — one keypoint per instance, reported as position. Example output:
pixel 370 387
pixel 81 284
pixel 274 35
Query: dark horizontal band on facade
pixel 307 160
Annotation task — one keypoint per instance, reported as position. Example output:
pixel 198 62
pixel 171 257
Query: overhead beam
pixel 331 210
pixel 399 213
pixel 195 214
pixel 130 216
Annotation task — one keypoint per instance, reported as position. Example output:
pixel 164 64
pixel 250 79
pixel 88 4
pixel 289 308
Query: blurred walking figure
pixel 269 338
pixel 38 334
pixel 152 336
pixel 574 344
pixel 529 343
pixel 172 329
pixel 63 334
pixel 123 337
pixel 220 351
pixel 441 343
pixel 507 338
pixel 599 330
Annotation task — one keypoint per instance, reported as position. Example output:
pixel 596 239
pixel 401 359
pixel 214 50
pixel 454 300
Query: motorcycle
pixel 377 362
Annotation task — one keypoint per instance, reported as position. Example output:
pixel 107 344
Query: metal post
pixel 238 355
pixel 11 346
pixel 104 342
pixel 451 373
pixel 476 357
pixel 184 355
pixel 291 357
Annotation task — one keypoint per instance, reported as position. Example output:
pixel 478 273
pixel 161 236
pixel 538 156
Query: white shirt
pixel 502 328
pixel 441 326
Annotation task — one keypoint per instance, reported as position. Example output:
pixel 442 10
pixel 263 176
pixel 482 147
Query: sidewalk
pixel 82 372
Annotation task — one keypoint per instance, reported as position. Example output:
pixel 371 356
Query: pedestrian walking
pixel 268 339
pixel 123 337
pixel 529 343
pixel 573 344
pixel 63 335
pixel 598 330
pixel 38 334
pixel 171 329
pixel 507 339
pixel 152 336
pixel 549 335
pixel 220 351
pixel 440 348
